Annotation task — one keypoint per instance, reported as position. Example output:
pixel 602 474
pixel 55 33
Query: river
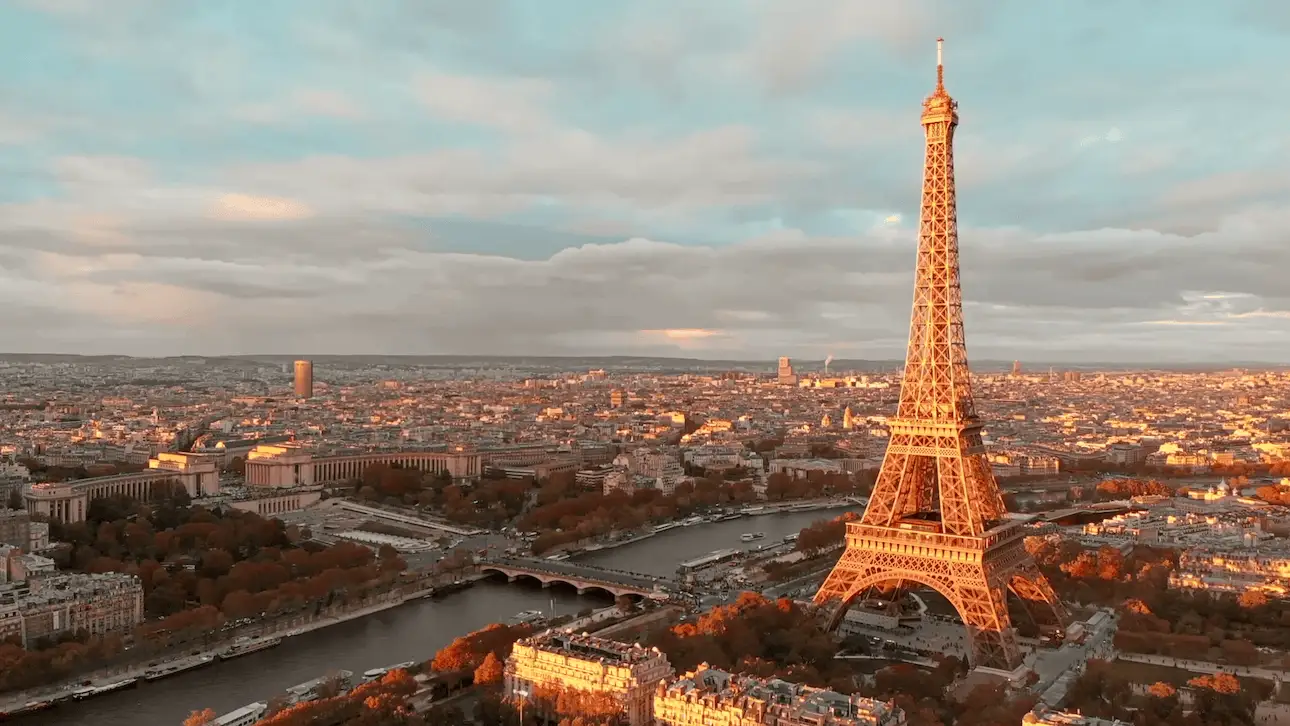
pixel 660 554
pixel 409 632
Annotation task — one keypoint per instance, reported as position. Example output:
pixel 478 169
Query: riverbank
pixel 377 636
pixel 12 705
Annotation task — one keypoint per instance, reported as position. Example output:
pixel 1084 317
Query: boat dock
pixel 709 559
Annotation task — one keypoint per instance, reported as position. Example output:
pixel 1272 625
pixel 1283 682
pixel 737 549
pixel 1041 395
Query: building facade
pixel 52 605
pixel 68 501
pixel 276 503
pixel 661 465
pixel 1044 716
pixel 279 466
pixel 199 473
pixel 563 662
pixel 15 528
pixel 711 697
pixel 784 375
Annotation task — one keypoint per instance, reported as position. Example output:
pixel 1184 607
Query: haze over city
pixel 488 177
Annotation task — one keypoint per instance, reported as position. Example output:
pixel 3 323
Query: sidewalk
pixel 1200 666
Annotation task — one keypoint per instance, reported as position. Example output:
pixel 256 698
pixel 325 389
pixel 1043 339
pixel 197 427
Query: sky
pixel 727 179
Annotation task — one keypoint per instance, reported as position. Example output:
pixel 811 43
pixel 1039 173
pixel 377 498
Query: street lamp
pixel 522 696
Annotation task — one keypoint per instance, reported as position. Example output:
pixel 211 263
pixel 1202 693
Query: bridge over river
pixel 583 577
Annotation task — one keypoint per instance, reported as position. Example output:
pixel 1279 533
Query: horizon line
pixel 1039 362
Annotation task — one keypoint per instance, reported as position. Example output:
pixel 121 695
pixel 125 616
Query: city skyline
pixel 477 185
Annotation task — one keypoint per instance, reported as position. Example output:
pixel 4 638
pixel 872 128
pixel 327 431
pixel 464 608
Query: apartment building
pixel 15 527
pixel 661 465
pixel 557 661
pixel 1044 716
pixel 712 697
pixel 55 604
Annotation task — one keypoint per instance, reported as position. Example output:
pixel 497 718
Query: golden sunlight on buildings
pixel 711 697
pixel 554 667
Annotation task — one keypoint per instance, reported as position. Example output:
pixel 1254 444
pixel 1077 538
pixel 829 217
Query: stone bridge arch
pixel 547 579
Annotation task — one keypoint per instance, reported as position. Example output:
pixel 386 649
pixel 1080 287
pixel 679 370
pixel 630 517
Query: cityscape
pixel 684 533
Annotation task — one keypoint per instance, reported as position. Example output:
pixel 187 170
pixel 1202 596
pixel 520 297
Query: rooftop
pixel 589 647
pixel 793 698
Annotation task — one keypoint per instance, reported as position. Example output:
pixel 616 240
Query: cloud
pixel 512 104
pixel 795 41
pixel 247 208
pixel 847 129
pixel 714 168
pixel 301 104
pixel 1108 294
pixel 1114 136
pixel 684 333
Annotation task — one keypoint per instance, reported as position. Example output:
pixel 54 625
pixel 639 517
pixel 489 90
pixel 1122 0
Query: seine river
pixel 410 632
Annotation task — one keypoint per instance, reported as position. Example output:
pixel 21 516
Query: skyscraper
pixel 304 379
pixel 786 376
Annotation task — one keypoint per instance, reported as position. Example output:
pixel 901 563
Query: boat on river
pixel 527 617
pixel 167 670
pixel 379 673
pixel 752 536
pixel 247 646
pixel 313 690
pixel 85 692
pixel 248 715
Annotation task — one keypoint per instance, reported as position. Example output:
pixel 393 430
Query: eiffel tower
pixel 936 516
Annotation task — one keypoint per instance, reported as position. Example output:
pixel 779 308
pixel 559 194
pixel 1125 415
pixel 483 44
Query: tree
pixel 1252 599
pixel 201 718
pixel 15 499
pixel 490 671
pixel 1160 689
pixel 1224 683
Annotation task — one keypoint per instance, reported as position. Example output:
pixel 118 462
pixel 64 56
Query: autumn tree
pixel 822 535
pixel 201 718
pixel 469 651
pixel 489 672
pixel 758 635
pixel 1220 700
pixel 1252 599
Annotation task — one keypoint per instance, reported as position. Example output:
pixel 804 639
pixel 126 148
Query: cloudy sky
pixel 725 179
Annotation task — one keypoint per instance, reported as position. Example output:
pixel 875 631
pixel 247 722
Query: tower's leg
pixel 984 609
pixel 838 588
pixel 1039 600
pixel 980 601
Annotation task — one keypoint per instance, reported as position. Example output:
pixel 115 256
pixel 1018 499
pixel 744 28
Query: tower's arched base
pixel 973 573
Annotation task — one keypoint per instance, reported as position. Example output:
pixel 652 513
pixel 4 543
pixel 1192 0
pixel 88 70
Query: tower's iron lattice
pixel 936 516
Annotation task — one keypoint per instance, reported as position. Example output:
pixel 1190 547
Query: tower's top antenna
pixel 940 67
